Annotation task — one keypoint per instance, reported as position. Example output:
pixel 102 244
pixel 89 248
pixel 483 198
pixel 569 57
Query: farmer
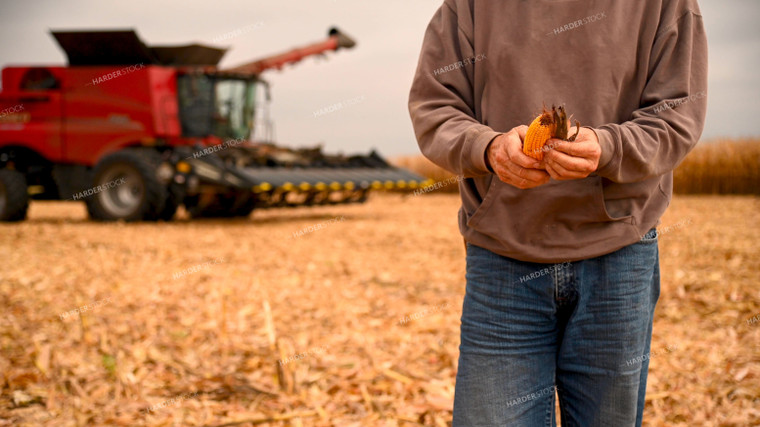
pixel 562 260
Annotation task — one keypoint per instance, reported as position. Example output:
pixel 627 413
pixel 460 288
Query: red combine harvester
pixel 135 131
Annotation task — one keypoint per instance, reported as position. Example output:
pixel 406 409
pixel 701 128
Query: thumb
pixel 522 131
pixel 515 151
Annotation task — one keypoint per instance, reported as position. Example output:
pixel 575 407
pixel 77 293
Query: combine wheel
pixel 220 206
pixel 170 207
pixel 14 200
pixel 126 187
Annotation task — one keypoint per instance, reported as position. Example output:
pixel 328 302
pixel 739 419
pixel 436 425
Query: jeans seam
pixel 550 409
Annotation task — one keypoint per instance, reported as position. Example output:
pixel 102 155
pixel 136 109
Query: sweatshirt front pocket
pixel 576 203
pixel 551 214
pixel 599 202
pixel 488 199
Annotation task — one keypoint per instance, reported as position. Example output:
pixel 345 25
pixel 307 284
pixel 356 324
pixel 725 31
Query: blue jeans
pixel 582 329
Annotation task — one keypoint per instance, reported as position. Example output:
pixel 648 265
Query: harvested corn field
pixel 329 316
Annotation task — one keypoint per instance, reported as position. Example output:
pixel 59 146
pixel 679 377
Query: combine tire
pixel 243 206
pixel 14 200
pixel 173 200
pixel 221 206
pixel 126 187
pixel 170 208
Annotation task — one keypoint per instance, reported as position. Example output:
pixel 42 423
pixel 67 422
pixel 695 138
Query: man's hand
pixel 573 160
pixel 511 165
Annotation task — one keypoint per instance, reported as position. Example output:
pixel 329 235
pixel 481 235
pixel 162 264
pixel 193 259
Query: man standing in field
pixel 561 285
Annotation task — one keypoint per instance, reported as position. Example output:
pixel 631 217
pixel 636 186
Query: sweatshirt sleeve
pixel 674 104
pixel 441 100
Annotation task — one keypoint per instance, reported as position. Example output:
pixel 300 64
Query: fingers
pixel 574 160
pixel 560 172
pixel 511 165
pixel 515 151
pixel 553 173
pixel 530 174
pixel 584 149
pixel 586 145
pixel 569 166
pixel 534 180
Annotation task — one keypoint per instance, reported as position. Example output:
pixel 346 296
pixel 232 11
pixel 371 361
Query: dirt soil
pixel 299 317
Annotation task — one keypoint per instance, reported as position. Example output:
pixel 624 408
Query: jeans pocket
pixel 650 236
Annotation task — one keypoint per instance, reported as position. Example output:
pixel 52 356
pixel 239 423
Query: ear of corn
pixel 547 125
pixel 538 133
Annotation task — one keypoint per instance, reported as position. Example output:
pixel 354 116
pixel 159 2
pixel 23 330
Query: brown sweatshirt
pixel 635 71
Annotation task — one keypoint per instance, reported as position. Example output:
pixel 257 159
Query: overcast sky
pixel 376 74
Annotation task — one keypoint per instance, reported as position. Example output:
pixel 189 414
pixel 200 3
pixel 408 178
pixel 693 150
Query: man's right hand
pixel 511 165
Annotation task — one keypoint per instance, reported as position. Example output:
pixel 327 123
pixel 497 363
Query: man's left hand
pixel 573 160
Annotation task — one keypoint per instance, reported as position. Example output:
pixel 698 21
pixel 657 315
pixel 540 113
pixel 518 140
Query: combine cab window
pixel 233 113
pixel 196 104
pixel 216 106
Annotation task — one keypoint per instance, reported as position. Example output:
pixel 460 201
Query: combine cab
pixel 135 131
